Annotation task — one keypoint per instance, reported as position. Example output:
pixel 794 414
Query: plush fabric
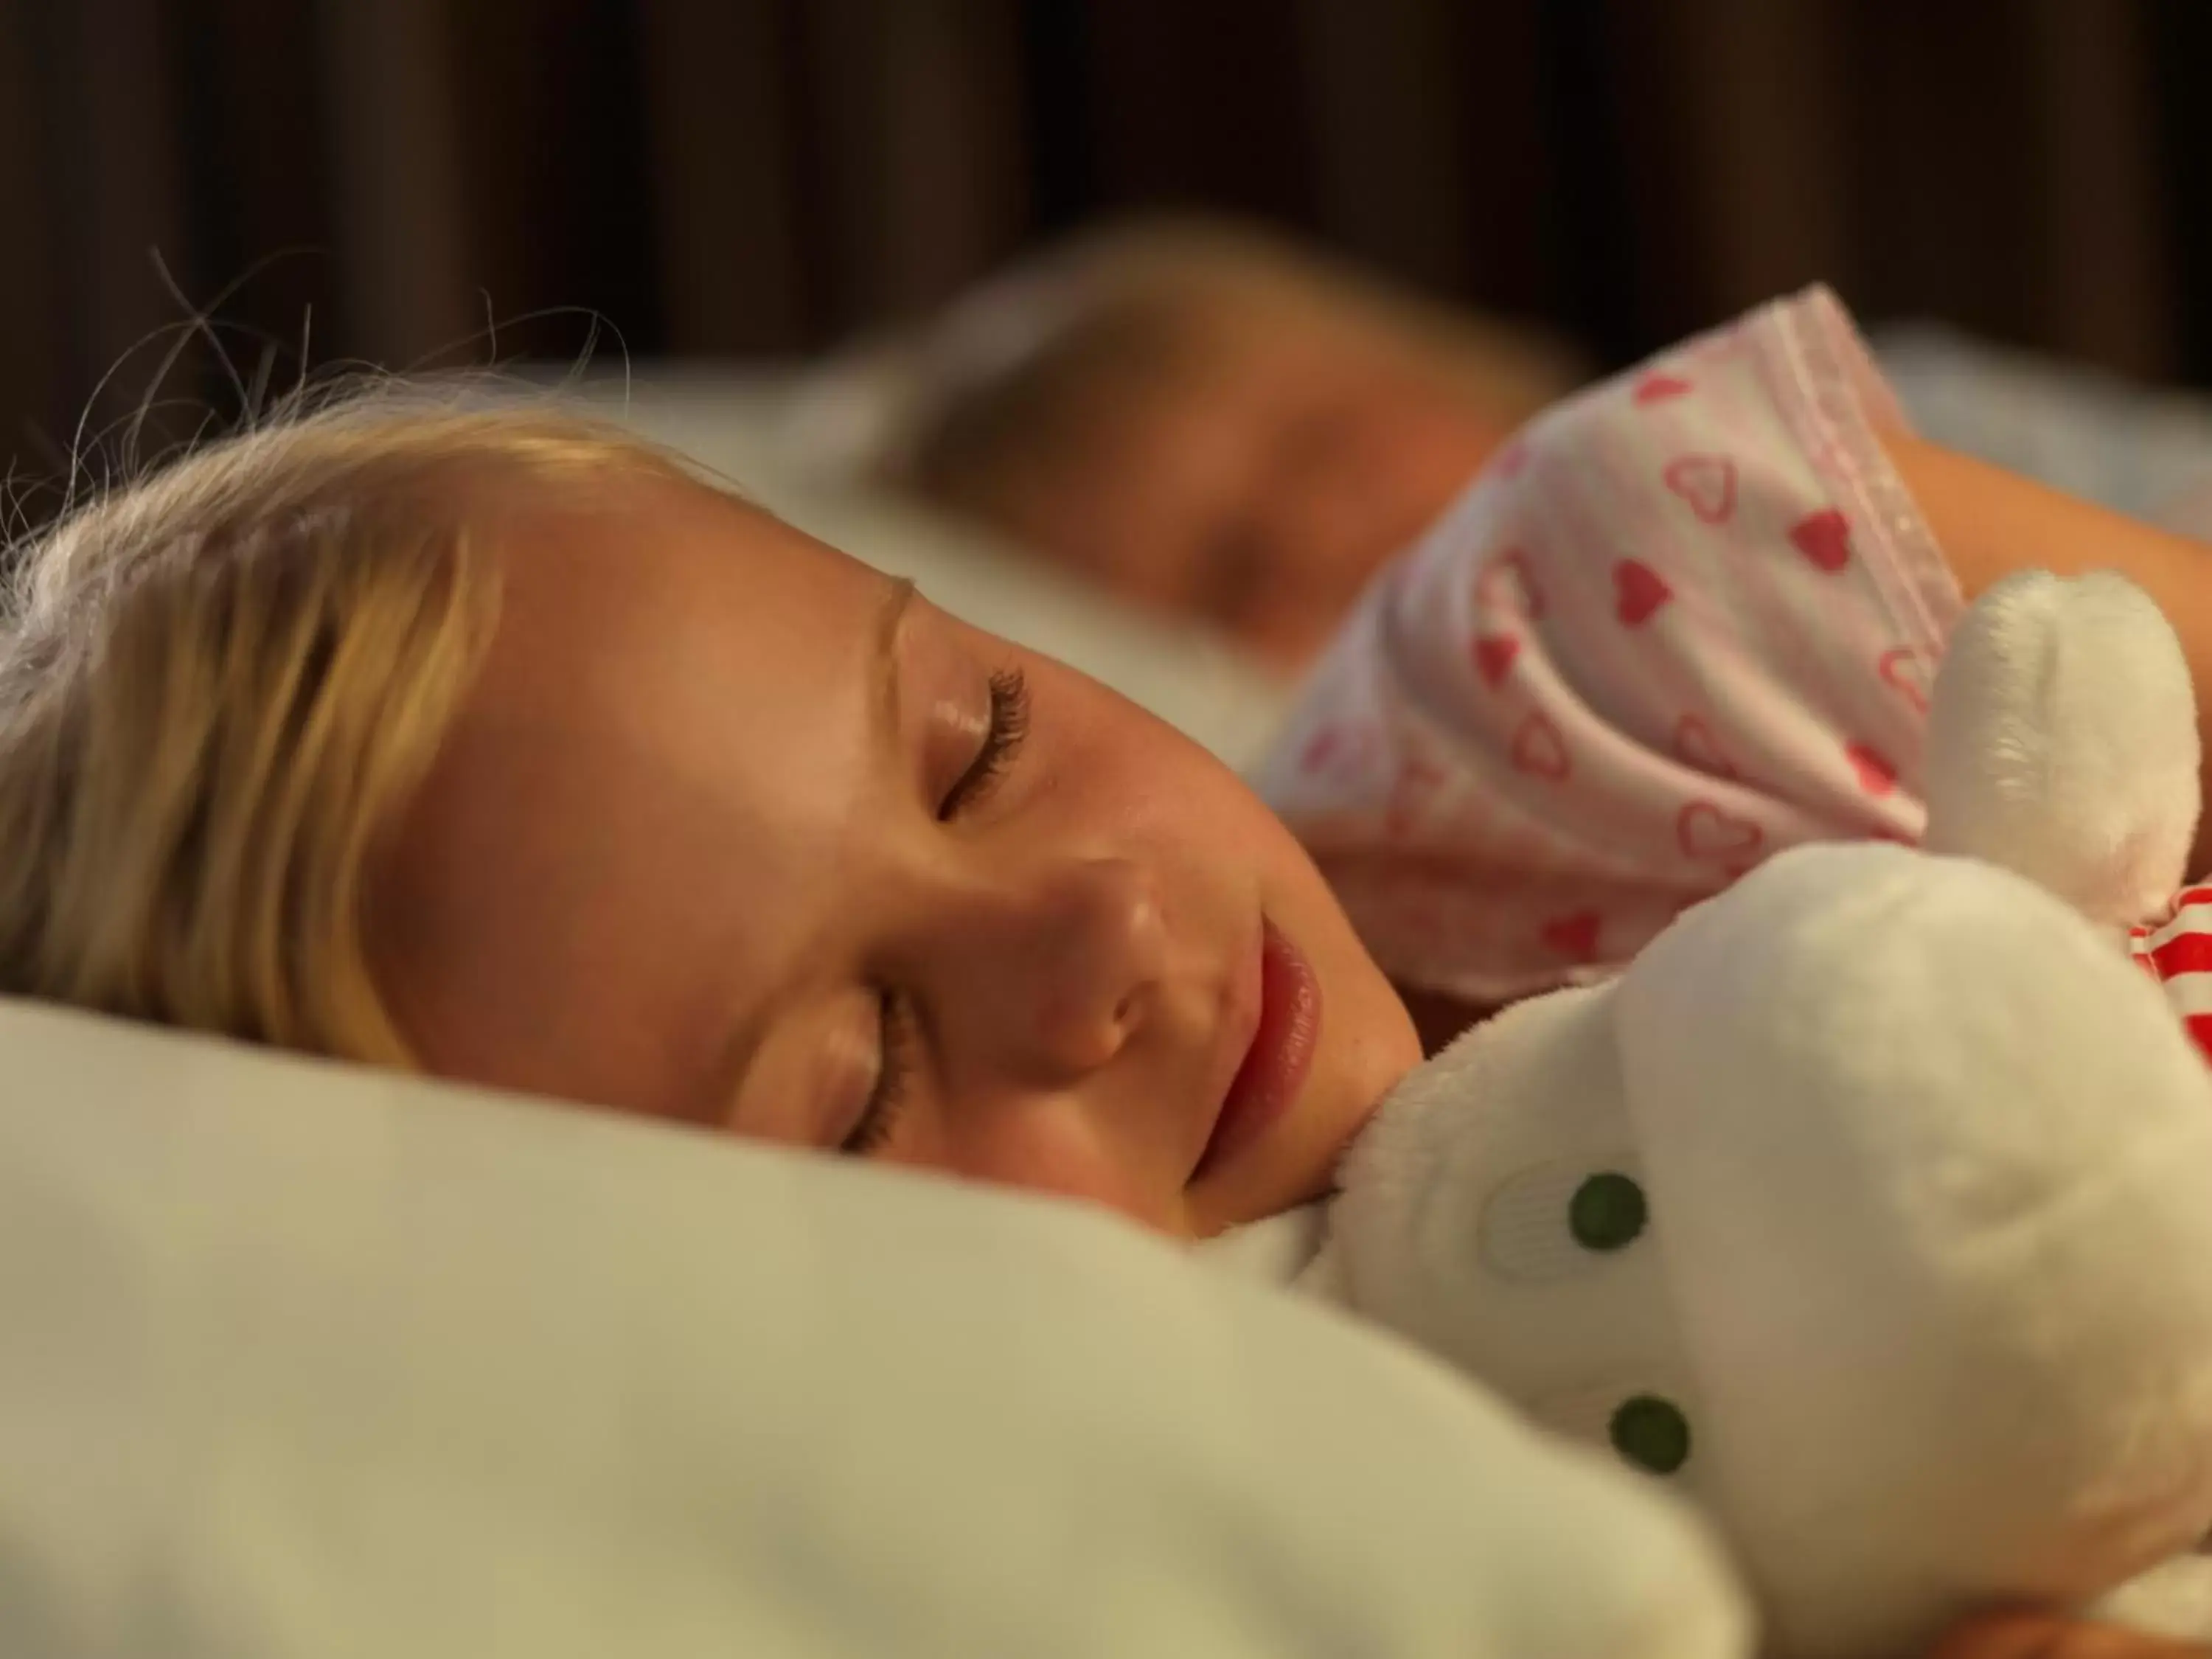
pixel 1867 1205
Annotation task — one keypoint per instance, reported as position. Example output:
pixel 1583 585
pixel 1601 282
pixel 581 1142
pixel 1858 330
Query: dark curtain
pixel 386 179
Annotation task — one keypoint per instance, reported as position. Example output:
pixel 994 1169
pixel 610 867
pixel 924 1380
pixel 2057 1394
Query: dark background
pixel 765 177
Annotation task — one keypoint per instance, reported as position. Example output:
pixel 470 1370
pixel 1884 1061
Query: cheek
pixel 1124 771
pixel 1046 1147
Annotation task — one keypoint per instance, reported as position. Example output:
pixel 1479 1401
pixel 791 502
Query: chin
pixel 1327 1132
pixel 1376 1046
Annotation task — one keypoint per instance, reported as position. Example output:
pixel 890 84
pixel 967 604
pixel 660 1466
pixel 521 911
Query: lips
pixel 1280 1054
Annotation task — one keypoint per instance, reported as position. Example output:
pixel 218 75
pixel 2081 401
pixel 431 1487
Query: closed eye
pixel 898 1035
pixel 895 1065
pixel 1002 741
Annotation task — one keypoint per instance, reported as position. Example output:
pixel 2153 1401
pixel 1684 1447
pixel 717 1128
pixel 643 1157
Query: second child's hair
pixel 219 686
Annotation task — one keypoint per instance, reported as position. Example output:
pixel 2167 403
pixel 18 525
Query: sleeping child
pixel 499 746
pixel 1223 424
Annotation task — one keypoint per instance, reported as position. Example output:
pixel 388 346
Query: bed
pixel 303 1359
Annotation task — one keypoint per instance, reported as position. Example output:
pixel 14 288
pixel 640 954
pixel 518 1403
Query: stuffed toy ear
pixel 1927 1165
pixel 2062 743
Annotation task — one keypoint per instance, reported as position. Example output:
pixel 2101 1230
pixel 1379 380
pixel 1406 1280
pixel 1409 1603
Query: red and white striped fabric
pixel 2177 952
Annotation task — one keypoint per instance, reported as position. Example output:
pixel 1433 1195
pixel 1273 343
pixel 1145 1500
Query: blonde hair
pixel 220 684
pixel 1026 359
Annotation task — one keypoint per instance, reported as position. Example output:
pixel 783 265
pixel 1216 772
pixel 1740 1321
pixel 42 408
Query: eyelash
pixel 894 1068
pixel 1002 741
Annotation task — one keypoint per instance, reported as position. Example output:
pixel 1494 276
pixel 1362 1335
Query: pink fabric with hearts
pixel 1689 618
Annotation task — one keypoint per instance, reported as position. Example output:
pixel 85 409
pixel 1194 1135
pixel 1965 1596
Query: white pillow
pixel 759 430
pixel 301 1359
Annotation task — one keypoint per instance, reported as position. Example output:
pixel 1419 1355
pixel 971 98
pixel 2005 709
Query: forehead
pixel 584 561
pixel 618 832
pixel 673 646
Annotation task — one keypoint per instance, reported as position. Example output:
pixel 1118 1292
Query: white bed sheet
pixel 304 1360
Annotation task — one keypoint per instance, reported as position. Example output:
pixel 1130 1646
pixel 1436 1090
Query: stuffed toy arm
pixel 2062 743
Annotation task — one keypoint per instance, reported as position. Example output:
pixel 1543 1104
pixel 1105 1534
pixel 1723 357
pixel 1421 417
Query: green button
pixel 1651 1433
pixel 1606 1212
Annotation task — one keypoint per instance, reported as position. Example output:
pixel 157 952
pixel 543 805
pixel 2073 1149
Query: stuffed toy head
pixel 1871 1206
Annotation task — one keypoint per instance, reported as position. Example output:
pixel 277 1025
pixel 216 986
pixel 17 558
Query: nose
pixel 1057 962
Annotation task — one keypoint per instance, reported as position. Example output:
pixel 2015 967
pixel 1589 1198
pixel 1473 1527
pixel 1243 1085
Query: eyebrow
pixel 745 1041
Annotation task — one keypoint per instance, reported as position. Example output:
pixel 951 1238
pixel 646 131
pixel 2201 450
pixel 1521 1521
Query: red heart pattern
pixel 1494 656
pixel 1574 937
pixel 1696 745
pixel 1540 751
pixel 1706 831
pixel 1721 832
pixel 1339 751
pixel 1658 387
pixel 1638 591
pixel 1707 482
pixel 1877 774
pixel 1825 539
pixel 1909 670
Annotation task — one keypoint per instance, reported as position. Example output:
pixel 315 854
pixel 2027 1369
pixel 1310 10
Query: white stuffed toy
pixel 1872 1204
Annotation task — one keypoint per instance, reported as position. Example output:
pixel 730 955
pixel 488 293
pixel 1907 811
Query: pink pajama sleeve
pixel 1689 618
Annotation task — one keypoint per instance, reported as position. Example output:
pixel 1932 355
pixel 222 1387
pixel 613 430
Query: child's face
pixel 732 830
pixel 1259 479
